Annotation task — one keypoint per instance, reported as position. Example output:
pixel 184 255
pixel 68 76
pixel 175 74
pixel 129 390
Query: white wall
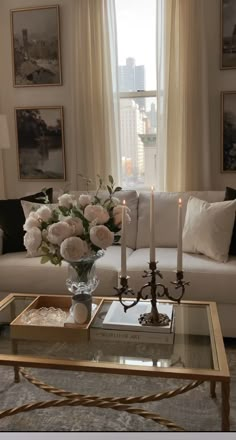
pixel 11 97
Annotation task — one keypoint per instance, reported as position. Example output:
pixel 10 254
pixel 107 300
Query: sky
pixel 136 23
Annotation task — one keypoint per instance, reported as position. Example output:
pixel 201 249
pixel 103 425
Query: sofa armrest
pixel 1 239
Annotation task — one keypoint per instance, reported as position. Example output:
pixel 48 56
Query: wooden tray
pixel 71 333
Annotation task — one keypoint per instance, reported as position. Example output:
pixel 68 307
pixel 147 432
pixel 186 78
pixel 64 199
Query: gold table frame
pixel 198 376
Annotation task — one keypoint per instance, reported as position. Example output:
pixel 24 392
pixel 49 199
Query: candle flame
pixel 152 188
pixel 124 202
pixel 180 201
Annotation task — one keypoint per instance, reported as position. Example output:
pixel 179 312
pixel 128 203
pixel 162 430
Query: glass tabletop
pixel 193 345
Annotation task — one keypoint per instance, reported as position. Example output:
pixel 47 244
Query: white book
pixel 107 334
pixel 117 319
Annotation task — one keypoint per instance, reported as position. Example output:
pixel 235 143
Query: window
pixel 136 36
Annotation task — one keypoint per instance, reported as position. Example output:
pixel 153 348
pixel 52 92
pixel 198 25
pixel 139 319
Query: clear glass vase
pixel 82 280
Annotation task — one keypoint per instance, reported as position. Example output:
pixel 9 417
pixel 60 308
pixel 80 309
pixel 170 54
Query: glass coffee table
pixel 196 354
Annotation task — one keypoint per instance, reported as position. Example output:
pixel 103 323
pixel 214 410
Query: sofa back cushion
pixel 166 215
pixel 131 198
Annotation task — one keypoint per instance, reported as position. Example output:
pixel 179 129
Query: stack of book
pixel 124 326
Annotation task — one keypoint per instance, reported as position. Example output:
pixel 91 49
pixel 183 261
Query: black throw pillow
pixel 230 194
pixel 40 196
pixel 12 220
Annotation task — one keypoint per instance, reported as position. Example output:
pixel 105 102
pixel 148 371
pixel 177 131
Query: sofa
pixel 210 280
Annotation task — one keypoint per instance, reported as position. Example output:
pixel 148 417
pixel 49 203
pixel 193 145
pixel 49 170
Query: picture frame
pixel 228 34
pixel 40 143
pixel 228 132
pixel 36 53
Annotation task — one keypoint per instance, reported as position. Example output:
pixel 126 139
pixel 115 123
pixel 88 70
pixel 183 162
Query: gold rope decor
pixel 102 404
pixel 128 400
pixel 116 403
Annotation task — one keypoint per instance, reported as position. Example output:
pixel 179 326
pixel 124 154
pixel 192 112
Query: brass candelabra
pixel 157 290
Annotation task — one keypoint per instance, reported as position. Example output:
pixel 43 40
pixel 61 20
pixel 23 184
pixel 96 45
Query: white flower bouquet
pixel 75 229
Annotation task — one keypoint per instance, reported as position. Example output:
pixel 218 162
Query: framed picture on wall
pixel 35 34
pixel 228 34
pixel 228 132
pixel 40 140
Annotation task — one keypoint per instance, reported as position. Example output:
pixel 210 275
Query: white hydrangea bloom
pixel 31 222
pixel 118 209
pixel 57 232
pixel 73 248
pixel 101 236
pixel 33 240
pixel 66 201
pixel 33 214
pixel 117 213
pixel 44 213
pixel 96 212
pixel 76 225
pixel 84 200
pixel 118 219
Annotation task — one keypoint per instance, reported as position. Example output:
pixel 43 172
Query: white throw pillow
pixel 32 206
pixel 208 228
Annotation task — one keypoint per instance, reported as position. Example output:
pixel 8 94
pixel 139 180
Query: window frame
pixel 138 94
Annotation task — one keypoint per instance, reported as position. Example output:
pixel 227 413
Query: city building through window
pixel 136 40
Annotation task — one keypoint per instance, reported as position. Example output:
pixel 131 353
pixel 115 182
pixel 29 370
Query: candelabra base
pixel 156 290
pixel 152 319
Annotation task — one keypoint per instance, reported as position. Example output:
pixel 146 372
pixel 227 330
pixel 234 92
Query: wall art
pixel 40 140
pixel 36 46
pixel 228 132
pixel 228 34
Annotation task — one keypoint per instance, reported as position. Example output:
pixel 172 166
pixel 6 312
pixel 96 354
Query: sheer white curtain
pixel 96 89
pixel 182 126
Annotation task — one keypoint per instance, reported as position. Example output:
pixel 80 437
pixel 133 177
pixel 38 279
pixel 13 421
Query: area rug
pixel 195 410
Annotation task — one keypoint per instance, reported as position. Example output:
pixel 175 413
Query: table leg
pixel 16 375
pixel 225 408
pixel 16 368
pixel 213 389
pixel 14 343
pixel 13 310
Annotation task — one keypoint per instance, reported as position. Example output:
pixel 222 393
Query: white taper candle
pixel 152 227
pixel 123 241
pixel 179 250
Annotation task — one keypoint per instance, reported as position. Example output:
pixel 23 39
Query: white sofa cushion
pixel 166 214
pixel 208 228
pixel 209 280
pixel 27 275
